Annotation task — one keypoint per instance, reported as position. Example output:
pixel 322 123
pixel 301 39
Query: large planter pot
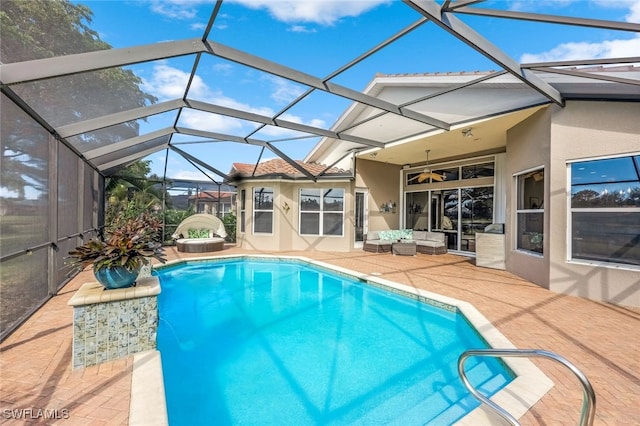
pixel 113 277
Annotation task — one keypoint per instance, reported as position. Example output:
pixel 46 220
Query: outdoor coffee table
pixel 404 248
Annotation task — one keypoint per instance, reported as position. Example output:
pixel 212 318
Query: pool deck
pixel 603 340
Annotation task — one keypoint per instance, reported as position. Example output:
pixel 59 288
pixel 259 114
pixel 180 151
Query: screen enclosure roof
pixel 249 84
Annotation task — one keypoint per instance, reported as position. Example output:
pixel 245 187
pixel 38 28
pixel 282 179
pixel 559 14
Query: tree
pixel 131 192
pixel 39 29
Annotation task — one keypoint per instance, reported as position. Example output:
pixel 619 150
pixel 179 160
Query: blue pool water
pixel 285 343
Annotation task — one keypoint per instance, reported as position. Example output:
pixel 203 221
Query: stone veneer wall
pixel 111 324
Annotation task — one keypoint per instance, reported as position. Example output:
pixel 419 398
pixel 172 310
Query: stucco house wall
pixel 383 182
pixel 528 147
pixel 286 218
pixel 584 131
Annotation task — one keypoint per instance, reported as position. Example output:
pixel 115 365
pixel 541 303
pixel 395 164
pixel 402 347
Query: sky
pixel 318 37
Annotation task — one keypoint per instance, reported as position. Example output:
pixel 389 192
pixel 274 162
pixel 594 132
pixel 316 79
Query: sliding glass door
pixel 459 213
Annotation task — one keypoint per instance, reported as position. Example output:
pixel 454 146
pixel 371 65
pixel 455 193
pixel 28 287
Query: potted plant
pixel 536 239
pixel 117 259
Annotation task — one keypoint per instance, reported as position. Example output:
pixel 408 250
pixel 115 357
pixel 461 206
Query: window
pixel 262 210
pixel 243 207
pixel 605 210
pixel 448 174
pixel 429 175
pixel 321 211
pixel 530 211
pixel 478 171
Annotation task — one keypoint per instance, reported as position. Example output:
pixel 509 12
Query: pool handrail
pixel 588 411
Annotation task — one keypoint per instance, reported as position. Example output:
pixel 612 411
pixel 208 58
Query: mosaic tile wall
pixel 105 331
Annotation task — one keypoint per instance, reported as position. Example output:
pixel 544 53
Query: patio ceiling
pixel 395 127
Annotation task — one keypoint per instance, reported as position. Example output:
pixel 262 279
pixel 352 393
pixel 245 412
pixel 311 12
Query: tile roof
pixel 280 167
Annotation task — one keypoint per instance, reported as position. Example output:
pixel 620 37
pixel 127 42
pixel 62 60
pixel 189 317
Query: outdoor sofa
pixel 200 233
pixel 430 242
pixel 426 242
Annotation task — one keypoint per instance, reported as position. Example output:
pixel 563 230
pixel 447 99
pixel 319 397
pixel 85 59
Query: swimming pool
pixel 285 342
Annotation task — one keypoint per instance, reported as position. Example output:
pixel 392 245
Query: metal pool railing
pixel 588 410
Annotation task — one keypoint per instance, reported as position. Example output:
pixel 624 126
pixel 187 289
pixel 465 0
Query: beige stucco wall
pixel 285 235
pixel 383 183
pixel 527 148
pixel 583 131
pixel 550 138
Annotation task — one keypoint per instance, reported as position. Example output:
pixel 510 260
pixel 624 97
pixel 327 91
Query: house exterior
pixel 544 173
pixel 279 208
pixel 218 203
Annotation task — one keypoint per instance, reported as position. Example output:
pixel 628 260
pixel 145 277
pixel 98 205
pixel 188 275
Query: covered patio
pixel 601 338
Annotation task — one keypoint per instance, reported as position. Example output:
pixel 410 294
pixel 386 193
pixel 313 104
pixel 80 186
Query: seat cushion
pixel 199 240
pixel 373 235
pixel 378 242
pixel 419 235
pixel 435 236
pixel 429 243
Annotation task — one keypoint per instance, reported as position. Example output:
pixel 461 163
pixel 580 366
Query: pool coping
pixel 148 404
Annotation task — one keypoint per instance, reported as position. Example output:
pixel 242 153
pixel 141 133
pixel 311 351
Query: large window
pixel 262 210
pixel 321 211
pixel 530 211
pixel 605 210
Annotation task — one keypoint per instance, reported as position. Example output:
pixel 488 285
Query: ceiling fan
pixel 427 173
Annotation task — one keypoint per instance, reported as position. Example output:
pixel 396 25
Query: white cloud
pixel 189 175
pixel 634 12
pixel 315 122
pixel 211 122
pixel 528 5
pixel 224 69
pixel 587 50
pixel 177 9
pixel 8 193
pixel 281 132
pixel 283 90
pixel 632 5
pixel 323 12
pixel 583 50
pixel 170 83
pixel 302 29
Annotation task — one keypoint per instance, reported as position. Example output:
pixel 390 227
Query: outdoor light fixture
pixel 373 154
pixel 467 132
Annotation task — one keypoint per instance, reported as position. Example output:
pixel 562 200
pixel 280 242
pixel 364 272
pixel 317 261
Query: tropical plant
pixel 229 221
pixel 173 218
pixel 128 246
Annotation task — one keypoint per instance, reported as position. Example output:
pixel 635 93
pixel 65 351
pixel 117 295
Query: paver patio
pixel 603 340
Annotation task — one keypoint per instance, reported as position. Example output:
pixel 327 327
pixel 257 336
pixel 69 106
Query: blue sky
pixel 317 37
